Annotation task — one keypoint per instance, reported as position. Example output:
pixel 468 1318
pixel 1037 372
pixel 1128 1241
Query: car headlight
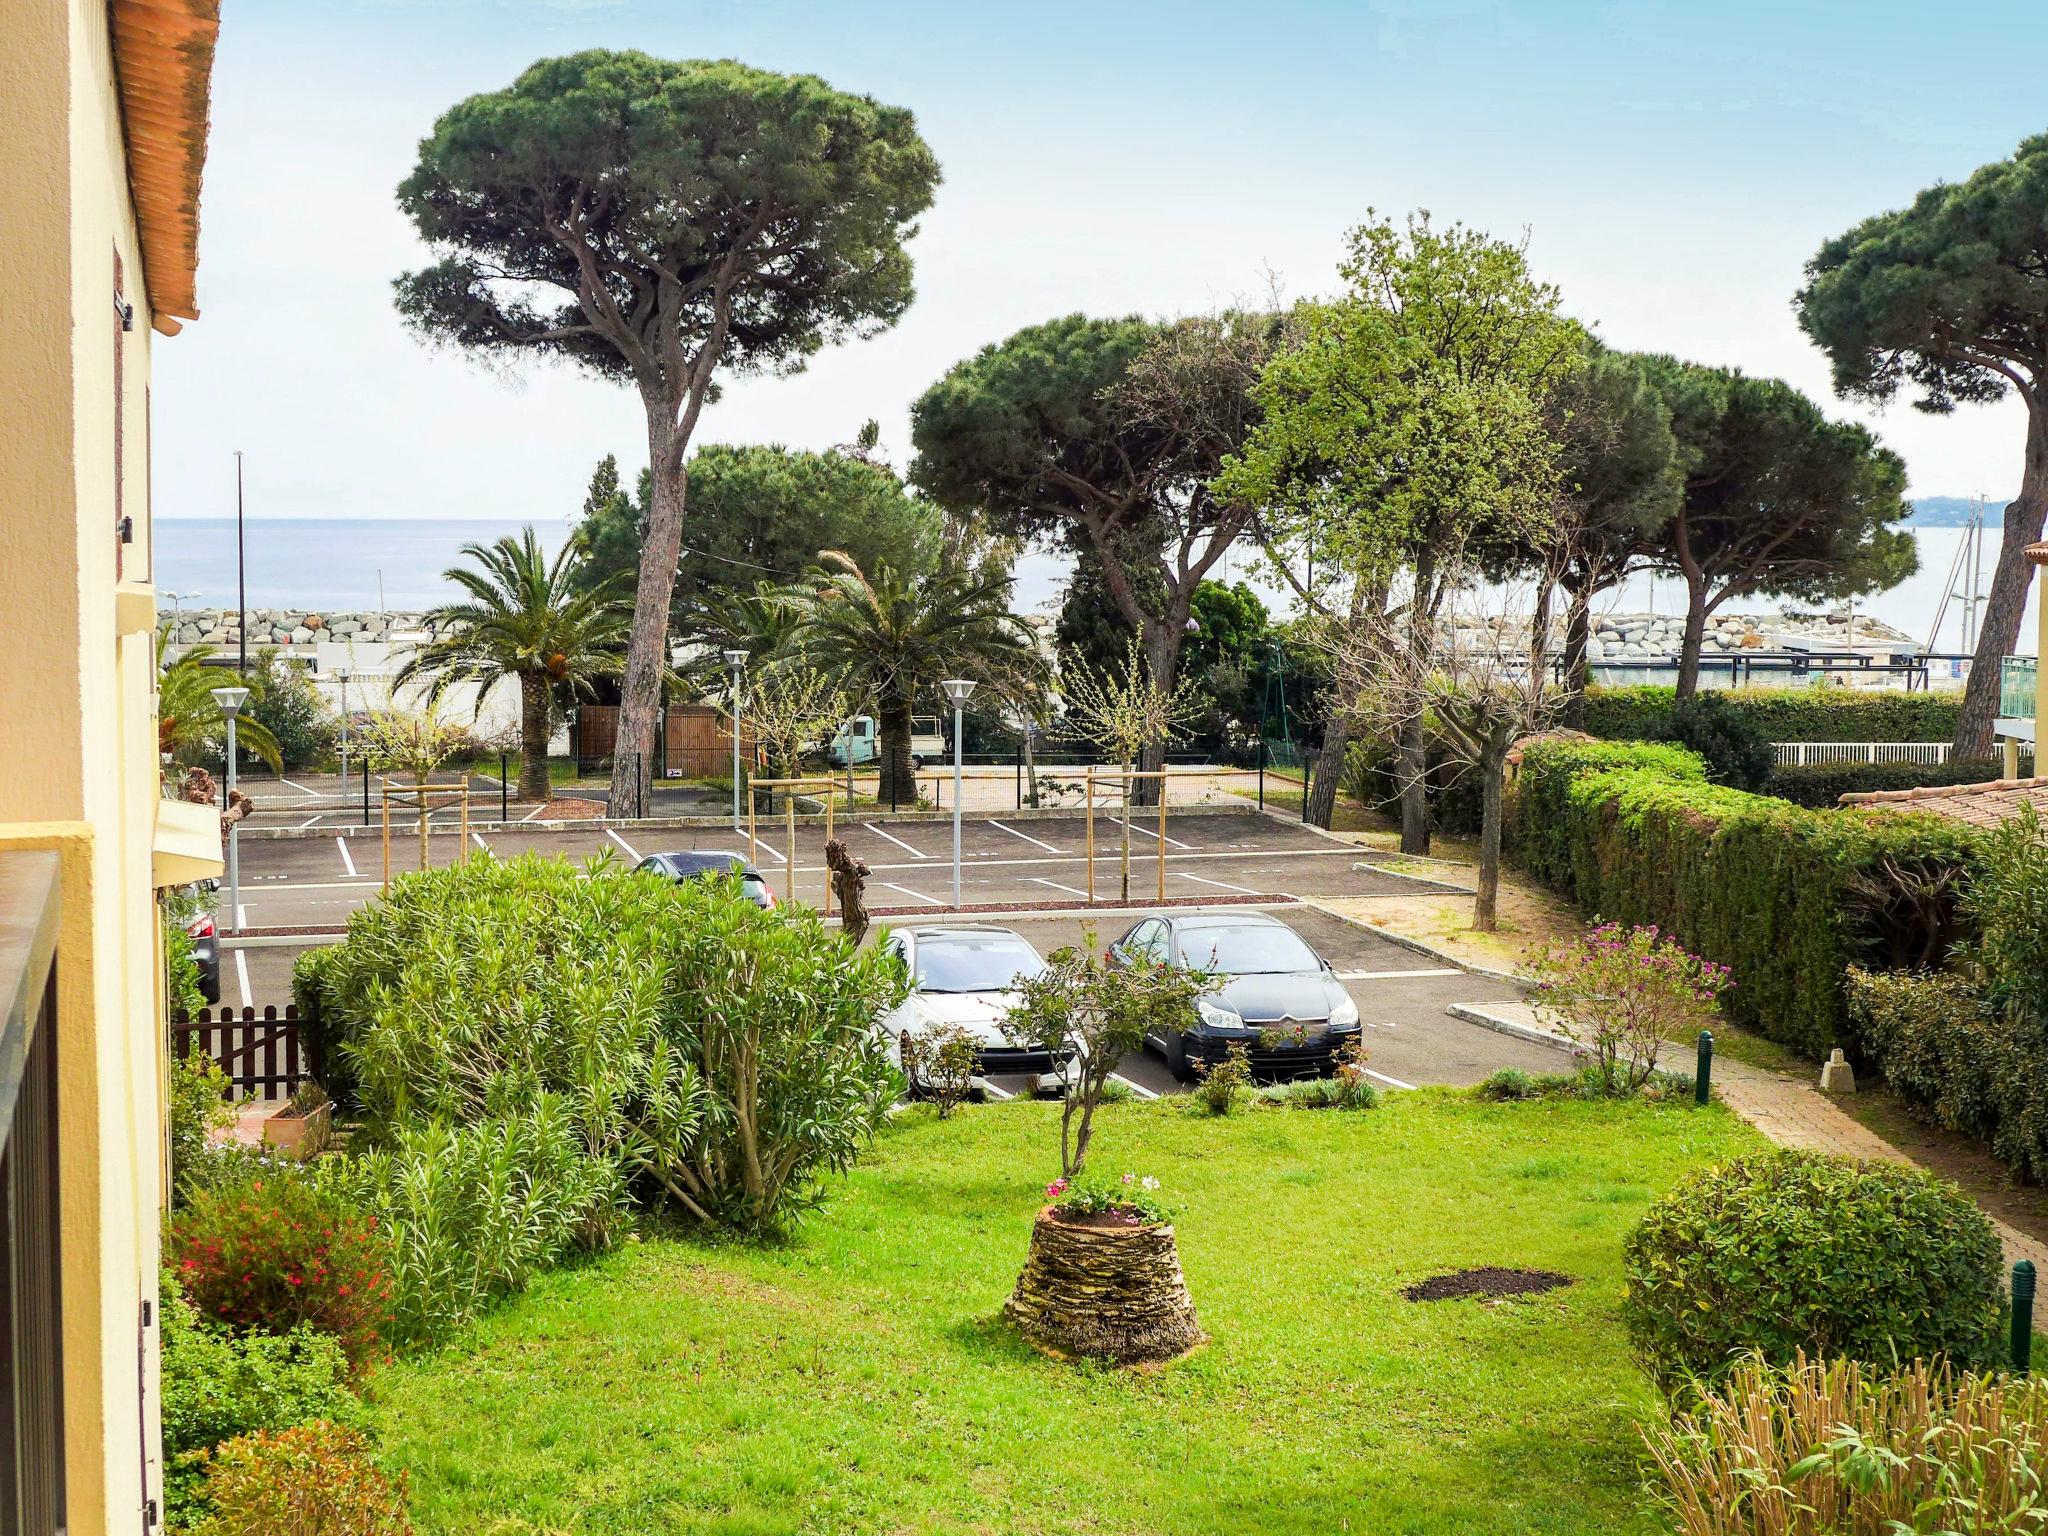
pixel 1214 1013
pixel 1344 1015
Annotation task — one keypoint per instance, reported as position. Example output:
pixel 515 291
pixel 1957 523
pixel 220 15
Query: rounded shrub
pixel 1787 1251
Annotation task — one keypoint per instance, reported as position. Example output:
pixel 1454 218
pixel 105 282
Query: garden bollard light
pixel 1703 1073
pixel 2023 1316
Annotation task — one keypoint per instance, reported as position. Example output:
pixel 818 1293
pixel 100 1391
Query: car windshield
pixel 981 963
pixel 1248 951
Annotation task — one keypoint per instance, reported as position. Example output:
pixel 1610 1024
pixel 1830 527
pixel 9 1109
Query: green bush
pixel 216 1385
pixel 283 698
pixel 712 1054
pixel 1940 1045
pixel 1786 714
pixel 1821 786
pixel 1451 788
pixel 313 1479
pixel 197 1107
pixel 1735 751
pixel 1786 1251
pixel 474 1211
pixel 1785 897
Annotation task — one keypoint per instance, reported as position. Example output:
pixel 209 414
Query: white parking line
pixel 242 977
pixel 780 856
pixel 1391 1082
pixel 994 1092
pixel 308 793
pixel 931 901
pixel 614 836
pixel 1040 880
pixel 347 862
pixel 478 839
pixel 1441 970
pixel 535 811
pixel 1138 1088
pixel 310 821
pixel 1048 847
pixel 896 840
pixel 1221 885
pixel 241 915
pixel 1137 827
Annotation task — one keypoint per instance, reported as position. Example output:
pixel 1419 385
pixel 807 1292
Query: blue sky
pixel 1672 165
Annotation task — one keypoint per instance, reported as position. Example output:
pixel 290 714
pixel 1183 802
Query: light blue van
pixel 859 741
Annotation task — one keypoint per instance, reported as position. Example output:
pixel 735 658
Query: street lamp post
pixel 957 691
pixel 736 660
pixel 178 601
pixel 342 674
pixel 231 701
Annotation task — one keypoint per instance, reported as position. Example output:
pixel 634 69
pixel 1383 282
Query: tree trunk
pixel 1320 784
pixel 533 736
pixel 1411 757
pixel 2007 604
pixel 647 642
pixel 1578 646
pixel 898 782
pixel 1695 636
pixel 1162 642
pixel 1030 767
pixel 1492 765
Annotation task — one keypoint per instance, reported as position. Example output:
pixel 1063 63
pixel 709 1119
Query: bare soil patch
pixel 1486 1281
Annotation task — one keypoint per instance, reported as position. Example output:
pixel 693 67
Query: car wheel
pixel 1177 1058
pixel 916 763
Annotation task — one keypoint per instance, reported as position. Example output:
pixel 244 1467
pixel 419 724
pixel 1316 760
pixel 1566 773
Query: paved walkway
pixel 1788 1111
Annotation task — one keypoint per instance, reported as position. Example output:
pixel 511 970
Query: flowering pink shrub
pixel 272 1252
pixel 1130 1199
pixel 1621 993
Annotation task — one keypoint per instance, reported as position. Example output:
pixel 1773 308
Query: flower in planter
pixel 1131 1200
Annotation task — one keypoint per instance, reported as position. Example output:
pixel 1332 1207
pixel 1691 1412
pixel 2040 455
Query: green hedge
pixel 1822 785
pixel 1786 897
pixel 1786 714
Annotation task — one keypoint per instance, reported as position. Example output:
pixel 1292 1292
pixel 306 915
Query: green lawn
pixel 860 1379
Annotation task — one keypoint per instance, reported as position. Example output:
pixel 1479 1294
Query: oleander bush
pixel 274 1252
pixel 314 1479
pixel 216 1384
pixel 1786 898
pixel 1826 1446
pixel 1779 1252
pixel 711 1055
pixel 1820 786
pixel 1785 714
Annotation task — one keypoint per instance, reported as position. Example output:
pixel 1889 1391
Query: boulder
pixel 300 636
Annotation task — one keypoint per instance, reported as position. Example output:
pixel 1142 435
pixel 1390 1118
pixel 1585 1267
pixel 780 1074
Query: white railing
pixel 1797 754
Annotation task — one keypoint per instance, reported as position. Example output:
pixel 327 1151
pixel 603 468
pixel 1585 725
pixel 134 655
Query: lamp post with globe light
pixel 231 701
pixel 342 675
pixel 957 691
pixel 736 660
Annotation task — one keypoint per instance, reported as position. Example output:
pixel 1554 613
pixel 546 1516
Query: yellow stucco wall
pixel 77 706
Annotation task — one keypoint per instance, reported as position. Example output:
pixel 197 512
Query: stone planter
pixel 1104 1292
pixel 299 1136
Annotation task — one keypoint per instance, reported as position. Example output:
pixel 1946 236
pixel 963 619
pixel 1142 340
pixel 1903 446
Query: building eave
pixel 163 60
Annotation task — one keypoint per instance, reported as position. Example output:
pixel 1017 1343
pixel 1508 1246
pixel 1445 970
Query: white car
pixel 967 976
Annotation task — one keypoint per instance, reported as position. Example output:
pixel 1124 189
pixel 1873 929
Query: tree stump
pixel 1103 1292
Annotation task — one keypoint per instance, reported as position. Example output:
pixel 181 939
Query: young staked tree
pixel 1949 297
pixel 1479 686
pixel 1128 713
pixel 1777 499
pixel 657 222
pixel 413 742
pixel 787 708
pixel 528 621
pixel 1406 420
pixel 1103 437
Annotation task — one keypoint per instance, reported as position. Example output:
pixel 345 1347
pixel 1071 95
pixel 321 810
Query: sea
pixel 371 564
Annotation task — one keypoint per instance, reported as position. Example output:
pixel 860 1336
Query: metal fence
pixel 1797 754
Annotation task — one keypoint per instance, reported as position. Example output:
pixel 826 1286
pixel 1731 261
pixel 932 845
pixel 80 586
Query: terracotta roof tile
pixel 1978 805
pixel 163 55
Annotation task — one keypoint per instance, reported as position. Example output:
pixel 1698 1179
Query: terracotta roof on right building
pixel 1978 805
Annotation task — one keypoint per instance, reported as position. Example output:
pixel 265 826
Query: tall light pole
pixel 343 674
pixel 957 691
pixel 178 601
pixel 231 701
pixel 736 660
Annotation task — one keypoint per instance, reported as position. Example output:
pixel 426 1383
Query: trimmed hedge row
pixel 1940 1044
pixel 1785 714
pixel 1820 786
pixel 1788 898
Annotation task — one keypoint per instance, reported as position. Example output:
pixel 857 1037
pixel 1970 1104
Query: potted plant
pixel 300 1127
pixel 1103 1278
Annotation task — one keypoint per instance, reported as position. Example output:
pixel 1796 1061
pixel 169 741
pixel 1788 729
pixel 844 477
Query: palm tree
pixel 893 638
pixel 525 619
pixel 188 720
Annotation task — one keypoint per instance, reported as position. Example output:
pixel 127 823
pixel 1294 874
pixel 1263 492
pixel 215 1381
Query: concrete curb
pixel 1418 946
pixel 1477 1013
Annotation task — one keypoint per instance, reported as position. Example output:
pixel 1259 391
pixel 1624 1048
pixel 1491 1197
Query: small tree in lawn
pixel 414 742
pixel 1126 713
pixel 1102 1008
pixel 658 222
pixel 1621 993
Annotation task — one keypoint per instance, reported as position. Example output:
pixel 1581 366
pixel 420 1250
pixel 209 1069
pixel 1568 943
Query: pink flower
pixel 1056 1188
pixel 1130 1178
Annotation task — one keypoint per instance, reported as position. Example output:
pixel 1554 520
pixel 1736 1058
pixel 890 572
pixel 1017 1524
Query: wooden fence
pixel 261 1051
